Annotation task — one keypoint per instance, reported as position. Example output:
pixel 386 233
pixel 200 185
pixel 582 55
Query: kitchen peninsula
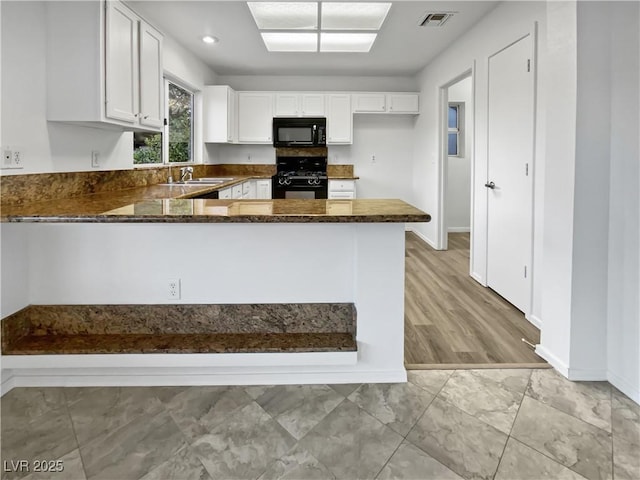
pixel 249 253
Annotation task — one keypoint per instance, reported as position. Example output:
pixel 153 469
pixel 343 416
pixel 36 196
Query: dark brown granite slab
pixel 224 211
pixel 182 343
pixel 182 328
pixel 180 319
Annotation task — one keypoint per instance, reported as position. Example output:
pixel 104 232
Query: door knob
pixel 490 185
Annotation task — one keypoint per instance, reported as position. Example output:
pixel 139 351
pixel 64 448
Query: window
pixel 455 136
pixel 175 144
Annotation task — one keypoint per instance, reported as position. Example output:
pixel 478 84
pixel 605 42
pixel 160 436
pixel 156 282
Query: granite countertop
pixel 181 210
pixel 174 204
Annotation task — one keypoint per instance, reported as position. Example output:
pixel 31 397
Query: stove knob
pixel 311 181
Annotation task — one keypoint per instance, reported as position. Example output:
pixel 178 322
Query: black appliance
pixel 299 132
pixel 300 177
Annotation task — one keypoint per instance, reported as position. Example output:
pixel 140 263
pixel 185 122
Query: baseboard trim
pixel 535 321
pixel 472 366
pixel 554 361
pixel 424 239
pixel 123 377
pixel 580 375
pixel 622 384
pixel 458 229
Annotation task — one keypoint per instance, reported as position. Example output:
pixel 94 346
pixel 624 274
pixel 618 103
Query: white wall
pixel 55 147
pixel 458 198
pixel 14 261
pixel 506 24
pixel 389 139
pixel 623 325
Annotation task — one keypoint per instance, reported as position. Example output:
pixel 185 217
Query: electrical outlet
pixel 95 159
pixel 173 289
pixel 11 158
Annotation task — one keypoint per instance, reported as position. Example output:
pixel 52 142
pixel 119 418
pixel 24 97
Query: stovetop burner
pixel 297 175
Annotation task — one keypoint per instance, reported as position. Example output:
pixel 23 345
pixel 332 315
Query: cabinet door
pixel 339 119
pixel 312 104
pixel 255 117
pixel 224 193
pixel 121 63
pixel 151 82
pixel 369 103
pixel 286 105
pixel 219 114
pixel 403 103
pixel 263 189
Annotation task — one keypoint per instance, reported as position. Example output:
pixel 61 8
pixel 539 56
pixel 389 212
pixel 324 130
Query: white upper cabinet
pixel 151 82
pixel 255 117
pixel 104 66
pixel 122 66
pixel 403 103
pixel 293 104
pixel 380 102
pixel 219 116
pixel 339 119
pixel 369 103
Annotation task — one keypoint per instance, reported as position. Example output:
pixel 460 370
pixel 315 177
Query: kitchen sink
pixel 203 181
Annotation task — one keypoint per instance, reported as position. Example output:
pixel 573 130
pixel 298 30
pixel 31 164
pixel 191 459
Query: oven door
pixel 299 191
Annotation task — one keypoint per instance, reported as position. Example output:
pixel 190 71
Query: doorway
pixel 456 157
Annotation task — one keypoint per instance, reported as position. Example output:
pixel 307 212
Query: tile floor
pixel 442 424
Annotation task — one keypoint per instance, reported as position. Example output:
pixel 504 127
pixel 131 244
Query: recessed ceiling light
pixel 285 15
pixel 346 42
pixel 209 39
pixel 353 16
pixel 290 41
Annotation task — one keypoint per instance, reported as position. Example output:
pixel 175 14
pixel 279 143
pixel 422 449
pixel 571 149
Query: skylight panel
pixel 353 16
pixel 346 42
pixel 290 41
pixel 285 15
pixel 340 26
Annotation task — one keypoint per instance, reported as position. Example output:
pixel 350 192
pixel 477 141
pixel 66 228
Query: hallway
pixel 451 320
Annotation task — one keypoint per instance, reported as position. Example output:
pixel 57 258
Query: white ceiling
pixel 402 47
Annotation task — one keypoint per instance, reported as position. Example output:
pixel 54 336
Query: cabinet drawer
pixel 225 193
pixel 342 195
pixel 236 191
pixel 342 185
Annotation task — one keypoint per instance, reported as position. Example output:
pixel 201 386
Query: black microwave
pixel 299 132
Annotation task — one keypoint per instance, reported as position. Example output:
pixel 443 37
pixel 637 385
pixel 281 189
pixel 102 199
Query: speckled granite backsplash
pixel 38 187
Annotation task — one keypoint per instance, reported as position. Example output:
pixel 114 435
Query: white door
pixel 509 186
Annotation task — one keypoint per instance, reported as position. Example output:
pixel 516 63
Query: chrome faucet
pixel 186 172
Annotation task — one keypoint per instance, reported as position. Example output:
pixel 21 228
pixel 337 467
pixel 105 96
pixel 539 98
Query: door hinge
pixel 525 271
pixel 526 169
pixel 528 64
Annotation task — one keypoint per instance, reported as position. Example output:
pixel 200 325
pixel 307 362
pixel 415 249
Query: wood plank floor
pixel 450 319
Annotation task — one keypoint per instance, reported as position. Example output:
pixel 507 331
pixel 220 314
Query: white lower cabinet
pixel 263 189
pixel 225 193
pixel 345 189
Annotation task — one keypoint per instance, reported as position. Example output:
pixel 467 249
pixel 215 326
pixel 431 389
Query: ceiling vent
pixel 435 19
